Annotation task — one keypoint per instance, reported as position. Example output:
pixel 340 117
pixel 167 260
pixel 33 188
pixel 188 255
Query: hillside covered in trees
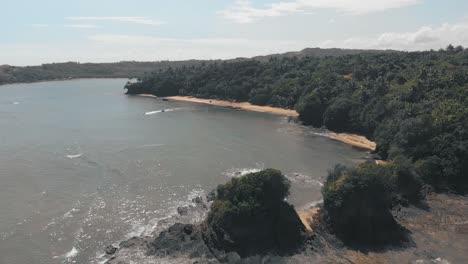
pixel 414 105
pixel 134 69
pixel 71 70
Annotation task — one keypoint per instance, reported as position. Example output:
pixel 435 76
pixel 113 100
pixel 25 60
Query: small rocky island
pixel 248 218
pixel 366 217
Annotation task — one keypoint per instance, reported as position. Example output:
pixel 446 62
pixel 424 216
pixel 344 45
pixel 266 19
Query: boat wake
pixel 74 156
pixel 162 111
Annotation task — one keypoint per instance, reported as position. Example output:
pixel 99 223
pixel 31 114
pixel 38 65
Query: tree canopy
pixel 413 104
pixel 358 201
pixel 249 215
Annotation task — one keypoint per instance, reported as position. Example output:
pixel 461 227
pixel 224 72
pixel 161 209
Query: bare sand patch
pixel 307 216
pixel 351 139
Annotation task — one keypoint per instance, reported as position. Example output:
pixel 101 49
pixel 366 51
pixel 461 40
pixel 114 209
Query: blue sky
pixel 35 32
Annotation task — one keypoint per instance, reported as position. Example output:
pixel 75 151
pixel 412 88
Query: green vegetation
pixel 133 69
pixel 358 201
pixel 249 215
pixel 55 71
pixel 413 105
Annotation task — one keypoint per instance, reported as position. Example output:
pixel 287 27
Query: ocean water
pixel 83 166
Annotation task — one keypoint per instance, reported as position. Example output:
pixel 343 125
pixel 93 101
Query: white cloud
pixel 242 11
pixel 38 25
pixel 118 47
pixel 422 39
pixel 135 20
pixel 81 26
pixel 155 48
pixel 111 48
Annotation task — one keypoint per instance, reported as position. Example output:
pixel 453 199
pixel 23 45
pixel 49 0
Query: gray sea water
pixel 83 166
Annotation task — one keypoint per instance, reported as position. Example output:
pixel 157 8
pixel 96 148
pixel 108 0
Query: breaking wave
pixel 303 179
pixel 238 172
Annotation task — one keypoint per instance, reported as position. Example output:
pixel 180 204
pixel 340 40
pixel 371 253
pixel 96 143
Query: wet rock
pixel 197 200
pixel 232 257
pixel 110 250
pixel 182 210
pixel 180 240
pixel 211 196
pixel 188 229
pixel 134 241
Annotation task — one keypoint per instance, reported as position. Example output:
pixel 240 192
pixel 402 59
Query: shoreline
pixel 62 79
pixel 354 140
pixel 241 105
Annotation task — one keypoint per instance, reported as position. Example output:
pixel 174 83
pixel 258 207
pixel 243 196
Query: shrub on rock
pixel 249 215
pixel 358 202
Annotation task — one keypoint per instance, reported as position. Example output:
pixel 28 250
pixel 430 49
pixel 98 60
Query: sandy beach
pixel 307 216
pixel 241 105
pixel 350 139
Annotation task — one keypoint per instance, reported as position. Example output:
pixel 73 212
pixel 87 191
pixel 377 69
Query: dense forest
pixel 414 105
pixel 71 70
pixel 134 69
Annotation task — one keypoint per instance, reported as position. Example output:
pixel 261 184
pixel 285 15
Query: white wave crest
pixel 170 216
pixel 304 179
pixel 311 205
pixel 72 253
pixel 238 172
pixel 74 156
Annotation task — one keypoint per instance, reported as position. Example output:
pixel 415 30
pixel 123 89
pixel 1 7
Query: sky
pixel 44 31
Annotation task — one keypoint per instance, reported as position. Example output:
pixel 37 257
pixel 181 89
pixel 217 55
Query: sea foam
pixel 72 253
pixel 238 172
pixel 303 179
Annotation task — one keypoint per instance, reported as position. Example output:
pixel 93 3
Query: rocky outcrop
pixel 282 234
pixel 110 250
pixel 180 240
pixel 249 218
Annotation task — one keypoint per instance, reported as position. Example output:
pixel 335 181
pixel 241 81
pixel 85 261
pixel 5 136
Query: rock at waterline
pixel 110 250
pixel 269 226
pixel 182 210
pixel 249 216
pixel 180 240
pixel 197 200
